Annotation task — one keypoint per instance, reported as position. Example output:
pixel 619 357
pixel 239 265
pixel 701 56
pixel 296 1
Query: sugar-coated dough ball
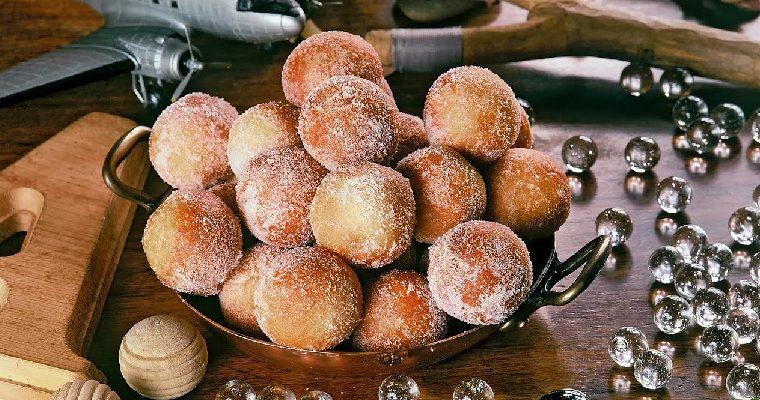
pixel 448 190
pixel 263 127
pixel 399 313
pixel 525 137
pixel 192 241
pixel 365 213
pixel 347 120
pixel 479 272
pixel 226 192
pixel 473 111
pixel 275 193
pixel 528 192
pixel 411 134
pixel 188 144
pixel 308 298
pixel 325 55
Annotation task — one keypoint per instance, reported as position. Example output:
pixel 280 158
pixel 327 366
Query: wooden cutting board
pixel 52 291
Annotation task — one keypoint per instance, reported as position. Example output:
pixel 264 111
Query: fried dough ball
pixel 448 190
pixel 528 192
pixel 525 137
pixel 365 213
pixel 399 313
pixel 275 193
pixel 479 272
pixel 347 120
pixel 473 111
pixel 192 241
pixel 263 127
pixel 188 144
pixel 411 134
pixel 226 192
pixel 308 298
pixel 325 55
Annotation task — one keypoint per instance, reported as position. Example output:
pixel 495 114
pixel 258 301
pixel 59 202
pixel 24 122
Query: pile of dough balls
pixel 337 181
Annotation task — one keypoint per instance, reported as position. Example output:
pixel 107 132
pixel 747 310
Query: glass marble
pixel 756 196
pixel 673 194
pixel 665 262
pixel 616 223
pixel 710 307
pixel 276 392
pixel 579 153
pixel 398 387
pixel 745 322
pixel 743 382
pixel 718 261
pixel 565 394
pixel 730 119
pixel 755 125
pixel 672 314
pixel 626 345
pixel 676 83
pixel 642 153
pixel 687 109
pixel 528 110
pixel 754 267
pixel 473 389
pixel 719 342
pixel 636 79
pixel 236 389
pixel 653 370
pixel 690 279
pixel 703 135
pixel 744 294
pixel 691 241
pixel 744 225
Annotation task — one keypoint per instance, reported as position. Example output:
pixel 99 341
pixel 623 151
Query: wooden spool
pixel 85 390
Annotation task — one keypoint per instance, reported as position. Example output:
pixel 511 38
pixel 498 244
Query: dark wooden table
pixel 559 347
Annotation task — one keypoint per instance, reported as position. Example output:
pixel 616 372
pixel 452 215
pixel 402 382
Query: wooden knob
pixel 84 390
pixel 163 357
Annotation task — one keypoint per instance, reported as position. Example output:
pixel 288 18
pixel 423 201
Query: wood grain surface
pixel 559 347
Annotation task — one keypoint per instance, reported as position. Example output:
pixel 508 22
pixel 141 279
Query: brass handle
pixel 120 150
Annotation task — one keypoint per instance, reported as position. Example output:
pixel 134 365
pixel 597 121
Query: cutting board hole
pixel 20 209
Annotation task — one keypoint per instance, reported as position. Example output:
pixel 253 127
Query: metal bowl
pixel 547 271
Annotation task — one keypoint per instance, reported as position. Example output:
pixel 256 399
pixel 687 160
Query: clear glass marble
pixel 687 109
pixel 743 382
pixel 616 223
pixel 673 194
pixel 744 294
pixel 276 392
pixel 676 83
pixel 730 119
pixel 653 370
pixel 636 79
pixel 642 153
pixel 718 261
pixel 710 307
pixel 719 342
pixel 565 394
pixel 528 109
pixel 398 387
pixel 703 135
pixel 236 389
pixel 754 267
pixel 744 225
pixel 691 241
pixel 756 196
pixel 665 262
pixel 745 322
pixel 473 389
pixel 316 395
pixel 690 279
pixel 672 314
pixel 579 153
pixel 755 125
pixel 626 345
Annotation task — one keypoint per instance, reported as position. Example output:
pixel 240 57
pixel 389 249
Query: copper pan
pixel 547 271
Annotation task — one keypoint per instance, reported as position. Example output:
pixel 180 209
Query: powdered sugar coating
pixel 308 298
pixel 365 213
pixel 386 88
pixel 528 192
pixel 479 272
pixel 347 120
pixel 192 241
pixel 188 144
pixel 226 192
pixel 274 195
pixel 399 313
pixel 473 111
pixel 325 55
pixel 411 134
pixel 263 127
pixel 525 137
pixel 448 190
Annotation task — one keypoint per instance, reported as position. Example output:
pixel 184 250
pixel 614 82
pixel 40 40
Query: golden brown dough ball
pixel 263 127
pixel 275 193
pixel 192 241
pixel 525 137
pixel 325 55
pixel 528 192
pixel 448 190
pixel 479 272
pixel 226 192
pixel 399 313
pixel 365 213
pixel 308 298
pixel 188 144
pixel 411 134
pixel 473 111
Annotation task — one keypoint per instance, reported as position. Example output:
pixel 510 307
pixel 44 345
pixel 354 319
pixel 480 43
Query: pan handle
pixel 120 150
pixel 592 257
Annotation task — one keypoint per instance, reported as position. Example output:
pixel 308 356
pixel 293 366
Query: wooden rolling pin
pixel 576 28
